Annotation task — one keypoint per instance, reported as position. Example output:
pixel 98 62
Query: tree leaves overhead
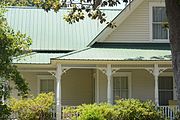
pixel 79 9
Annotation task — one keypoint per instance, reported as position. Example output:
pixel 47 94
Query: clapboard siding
pixel 135 28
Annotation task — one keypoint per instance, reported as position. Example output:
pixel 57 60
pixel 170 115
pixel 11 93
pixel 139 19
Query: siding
pixel 135 28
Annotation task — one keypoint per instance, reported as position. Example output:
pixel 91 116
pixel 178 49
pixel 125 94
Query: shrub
pixel 133 109
pixel 101 111
pixel 129 109
pixel 5 111
pixel 33 108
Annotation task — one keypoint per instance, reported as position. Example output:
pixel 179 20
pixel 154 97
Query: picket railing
pixel 168 112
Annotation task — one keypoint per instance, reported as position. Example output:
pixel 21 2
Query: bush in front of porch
pixel 125 109
pixel 35 108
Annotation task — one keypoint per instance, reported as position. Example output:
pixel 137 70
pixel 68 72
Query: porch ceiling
pixel 115 54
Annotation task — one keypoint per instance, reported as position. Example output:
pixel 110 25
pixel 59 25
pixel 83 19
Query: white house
pixel 88 62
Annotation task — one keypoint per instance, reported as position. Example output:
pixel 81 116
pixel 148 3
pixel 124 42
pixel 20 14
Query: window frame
pixel 44 77
pixel 123 74
pixel 151 5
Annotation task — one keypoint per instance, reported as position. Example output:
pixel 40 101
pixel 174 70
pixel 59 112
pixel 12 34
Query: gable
pixel 50 32
pixel 135 27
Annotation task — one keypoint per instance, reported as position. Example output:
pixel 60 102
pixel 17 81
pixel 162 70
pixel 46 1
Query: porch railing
pixel 167 111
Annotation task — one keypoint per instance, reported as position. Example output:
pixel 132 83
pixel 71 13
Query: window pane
pixel 159 14
pixel 43 85
pixel 164 97
pixel 50 85
pixel 46 85
pixel 124 82
pixel 165 83
pixel 159 32
pixel 120 87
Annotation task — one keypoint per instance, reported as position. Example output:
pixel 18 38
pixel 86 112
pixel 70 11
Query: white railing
pixel 169 111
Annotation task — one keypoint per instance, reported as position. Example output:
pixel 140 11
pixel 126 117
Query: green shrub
pixel 177 116
pixel 91 112
pixel 37 108
pixel 129 109
pixel 133 109
pixel 4 111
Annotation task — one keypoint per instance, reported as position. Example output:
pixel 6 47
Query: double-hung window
pixel 121 86
pixel 158 20
pixel 46 84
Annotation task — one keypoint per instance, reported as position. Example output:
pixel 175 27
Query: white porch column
pixel 109 85
pixel 156 74
pixel 97 86
pixel 58 91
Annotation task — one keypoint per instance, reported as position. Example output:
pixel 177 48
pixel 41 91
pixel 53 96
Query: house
pixel 88 62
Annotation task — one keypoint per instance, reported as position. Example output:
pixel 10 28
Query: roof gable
pixel 117 20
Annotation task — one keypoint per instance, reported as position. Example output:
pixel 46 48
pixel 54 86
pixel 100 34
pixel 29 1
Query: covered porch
pixel 121 73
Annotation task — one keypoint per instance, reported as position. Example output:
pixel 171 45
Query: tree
pixel 12 45
pixel 173 10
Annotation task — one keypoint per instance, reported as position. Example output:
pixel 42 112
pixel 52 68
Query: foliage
pixel 33 108
pixel 13 44
pixel 130 109
pixel 133 109
pixel 5 111
pixel 177 117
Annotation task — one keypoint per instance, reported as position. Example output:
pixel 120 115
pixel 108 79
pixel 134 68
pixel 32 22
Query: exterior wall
pixel 142 85
pixel 136 27
pixel 77 86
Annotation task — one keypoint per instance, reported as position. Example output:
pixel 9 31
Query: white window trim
pixel 151 5
pixel 39 77
pixel 170 74
pixel 126 74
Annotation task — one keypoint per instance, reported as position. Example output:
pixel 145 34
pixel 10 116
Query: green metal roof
pixel 118 54
pixel 50 32
pixel 37 58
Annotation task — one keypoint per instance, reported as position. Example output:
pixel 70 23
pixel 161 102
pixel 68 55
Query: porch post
pixel 58 92
pixel 109 85
pixel 97 86
pixel 156 74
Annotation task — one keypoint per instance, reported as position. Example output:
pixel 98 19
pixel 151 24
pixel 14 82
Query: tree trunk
pixel 173 15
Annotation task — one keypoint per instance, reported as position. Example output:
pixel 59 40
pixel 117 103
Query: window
pixel 158 18
pixel 46 85
pixel 165 86
pixel 121 86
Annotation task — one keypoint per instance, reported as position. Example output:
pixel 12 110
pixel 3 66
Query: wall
pixel 142 85
pixel 136 27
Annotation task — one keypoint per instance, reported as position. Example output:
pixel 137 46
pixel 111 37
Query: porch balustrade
pixel 167 111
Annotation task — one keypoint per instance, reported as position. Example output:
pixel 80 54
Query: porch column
pixel 156 74
pixel 109 85
pixel 58 91
pixel 97 86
